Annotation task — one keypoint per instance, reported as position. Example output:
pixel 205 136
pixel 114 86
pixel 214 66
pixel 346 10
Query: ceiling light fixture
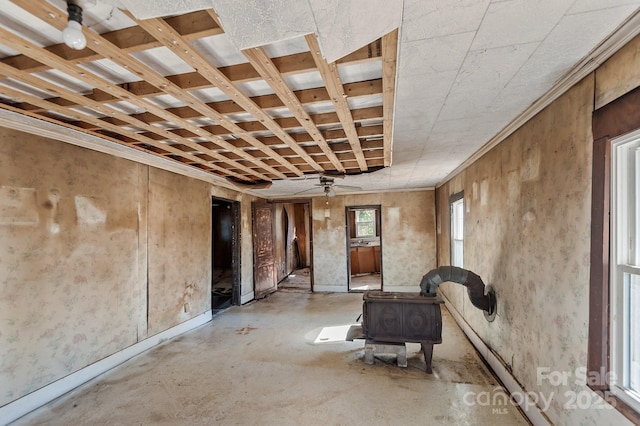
pixel 329 192
pixel 72 34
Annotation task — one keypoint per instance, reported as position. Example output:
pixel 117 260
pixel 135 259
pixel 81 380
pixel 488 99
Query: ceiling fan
pixel 328 185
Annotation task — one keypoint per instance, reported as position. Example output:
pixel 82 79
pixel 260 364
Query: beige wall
pixel 179 249
pixel 527 233
pixel 408 239
pixel 78 232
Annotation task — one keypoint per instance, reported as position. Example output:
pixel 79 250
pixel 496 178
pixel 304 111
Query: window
pixel 457 230
pixel 365 223
pixel 617 119
pixel 625 270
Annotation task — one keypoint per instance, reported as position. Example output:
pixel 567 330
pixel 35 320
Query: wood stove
pixel 391 317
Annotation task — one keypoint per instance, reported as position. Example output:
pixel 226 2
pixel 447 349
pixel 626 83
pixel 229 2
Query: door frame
pixel 236 251
pixel 347 209
pixel 306 201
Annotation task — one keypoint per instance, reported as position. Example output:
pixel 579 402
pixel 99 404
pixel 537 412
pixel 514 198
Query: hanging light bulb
pixel 72 34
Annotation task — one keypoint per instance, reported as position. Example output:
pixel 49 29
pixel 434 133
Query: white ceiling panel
pixel 580 6
pixel 155 8
pixel 35 30
pixel 163 61
pixel 103 16
pixel 258 22
pixel 437 18
pixel 286 47
pixel 125 107
pixel 64 80
pixel 165 101
pixel 444 54
pixel 360 72
pixel 26 88
pixel 255 88
pixel 364 102
pixel 210 94
pixel 519 21
pixel 219 50
pixel 483 74
pixel 308 80
pixel 110 71
pixel 567 44
pixel 358 23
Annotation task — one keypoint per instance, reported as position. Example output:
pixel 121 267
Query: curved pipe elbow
pixel 475 287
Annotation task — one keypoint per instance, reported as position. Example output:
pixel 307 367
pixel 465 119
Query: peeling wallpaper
pixel 72 259
pixel 408 239
pixel 179 249
pixel 527 233
pixel 78 232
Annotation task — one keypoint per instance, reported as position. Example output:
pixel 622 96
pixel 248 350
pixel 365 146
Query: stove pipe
pixel 481 299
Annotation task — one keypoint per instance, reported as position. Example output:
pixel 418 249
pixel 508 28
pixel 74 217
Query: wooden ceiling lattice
pixel 293 125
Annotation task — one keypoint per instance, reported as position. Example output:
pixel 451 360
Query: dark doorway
pixel 225 253
pixel 364 243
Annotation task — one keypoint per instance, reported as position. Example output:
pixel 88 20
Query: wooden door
pixel 264 268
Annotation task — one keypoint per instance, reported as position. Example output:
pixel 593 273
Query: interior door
pixel 264 264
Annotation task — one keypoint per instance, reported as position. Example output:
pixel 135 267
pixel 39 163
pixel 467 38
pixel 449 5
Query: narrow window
pixel 365 223
pixel 625 271
pixel 457 229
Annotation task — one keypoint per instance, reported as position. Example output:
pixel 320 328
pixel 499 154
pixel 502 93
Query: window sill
pixel 625 409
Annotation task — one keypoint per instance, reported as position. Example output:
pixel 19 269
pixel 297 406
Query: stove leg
pixel 368 353
pixel 401 359
pixel 427 350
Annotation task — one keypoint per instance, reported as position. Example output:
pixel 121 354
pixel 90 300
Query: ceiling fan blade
pixel 306 190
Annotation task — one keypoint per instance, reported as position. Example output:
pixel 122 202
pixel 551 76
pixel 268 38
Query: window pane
pixel 457 233
pixel 460 220
pixel 365 229
pixel 457 253
pixel 634 333
pixel 364 216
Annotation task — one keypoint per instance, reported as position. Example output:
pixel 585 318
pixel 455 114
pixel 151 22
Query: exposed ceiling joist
pixel 179 45
pixel 266 68
pixel 331 78
pixel 192 26
pixel 263 119
pixel 110 51
pixel 54 61
pixel 389 59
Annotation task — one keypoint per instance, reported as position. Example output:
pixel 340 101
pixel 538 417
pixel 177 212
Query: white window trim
pixel 622 255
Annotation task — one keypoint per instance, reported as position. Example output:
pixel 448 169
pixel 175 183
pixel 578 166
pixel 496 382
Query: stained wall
pixel 96 254
pixel 527 233
pixel 408 242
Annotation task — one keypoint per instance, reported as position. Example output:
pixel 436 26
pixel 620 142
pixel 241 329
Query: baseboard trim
pixel 530 409
pixel 18 408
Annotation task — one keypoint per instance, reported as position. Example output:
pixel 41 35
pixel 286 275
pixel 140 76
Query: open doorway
pixel 225 253
pixel 364 247
pixel 293 246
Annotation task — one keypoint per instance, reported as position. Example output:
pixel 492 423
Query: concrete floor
pixel 258 365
